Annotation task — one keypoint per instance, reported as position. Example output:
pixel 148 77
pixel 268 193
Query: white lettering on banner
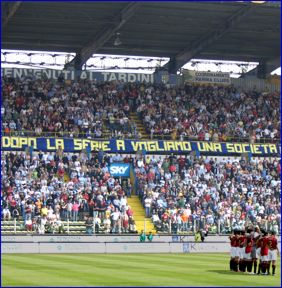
pixel 122 77
pixel 48 73
pixel 118 170
pixel 7 72
pixel 131 78
pixel 54 74
pixel 65 72
pixel 83 75
pixel 70 75
pixel 112 77
pixel 145 78
pixel 91 75
pixel 37 73
pixel 18 73
pixel 105 74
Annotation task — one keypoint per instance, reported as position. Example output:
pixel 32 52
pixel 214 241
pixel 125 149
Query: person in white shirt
pixel 148 202
pixel 6 214
pixel 115 220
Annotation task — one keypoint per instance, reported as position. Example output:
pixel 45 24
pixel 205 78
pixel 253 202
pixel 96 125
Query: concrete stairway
pixel 140 127
pixel 142 223
pixel 106 133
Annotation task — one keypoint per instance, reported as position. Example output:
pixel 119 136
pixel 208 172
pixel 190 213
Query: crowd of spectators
pixel 179 193
pixel 187 193
pixel 64 108
pixel 88 108
pixel 45 189
pixel 211 113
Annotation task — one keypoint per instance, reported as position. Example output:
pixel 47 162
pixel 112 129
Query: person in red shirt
pixel 264 253
pixel 255 237
pixel 272 252
pixel 181 163
pixel 258 248
pixel 241 240
pixel 248 245
pixel 233 252
pixel 75 209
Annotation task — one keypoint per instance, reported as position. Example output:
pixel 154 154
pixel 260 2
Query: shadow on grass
pixel 226 272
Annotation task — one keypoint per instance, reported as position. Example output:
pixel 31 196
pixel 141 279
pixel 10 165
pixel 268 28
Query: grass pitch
pixel 126 270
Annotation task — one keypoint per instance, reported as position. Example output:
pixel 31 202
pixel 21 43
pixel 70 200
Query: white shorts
pixel 258 252
pixel 238 249
pixel 248 256
pixel 233 252
pixel 241 252
pixel 272 255
pixel 264 258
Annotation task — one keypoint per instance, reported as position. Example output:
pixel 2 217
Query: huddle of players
pixel 247 247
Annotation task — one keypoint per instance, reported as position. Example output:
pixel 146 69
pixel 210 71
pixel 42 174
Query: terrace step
pixel 142 223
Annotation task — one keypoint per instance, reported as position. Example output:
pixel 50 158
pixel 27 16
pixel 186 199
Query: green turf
pixel 126 270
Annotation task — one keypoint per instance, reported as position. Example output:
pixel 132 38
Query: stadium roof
pixel 180 30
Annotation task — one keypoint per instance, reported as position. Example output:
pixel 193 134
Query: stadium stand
pixel 179 194
pixel 109 110
pixel 210 113
pixel 188 193
pixel 150 174
pixel 48 188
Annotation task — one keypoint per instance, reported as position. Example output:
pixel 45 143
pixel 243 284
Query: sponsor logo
pixel 119 169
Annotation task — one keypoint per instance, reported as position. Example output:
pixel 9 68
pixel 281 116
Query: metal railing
pixel 218 227
pixel 168 227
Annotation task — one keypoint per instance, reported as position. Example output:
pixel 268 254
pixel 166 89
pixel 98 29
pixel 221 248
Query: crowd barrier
pixel 110 247
pixel 106 238
pixel 113 244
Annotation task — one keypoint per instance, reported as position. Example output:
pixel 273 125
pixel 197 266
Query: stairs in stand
pixel 139 125
pixel 106 133
pixel 142 223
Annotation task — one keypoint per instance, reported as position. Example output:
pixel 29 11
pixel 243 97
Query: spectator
pixel 75 209
pixel 6 214
pixel 89 225
pixel 83 108
pixel 150 236
pixel 89 189
pixel 207 194
pixel 198 236
pixel 142 237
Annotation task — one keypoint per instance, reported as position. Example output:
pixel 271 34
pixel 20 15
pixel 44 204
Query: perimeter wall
pixel 113 244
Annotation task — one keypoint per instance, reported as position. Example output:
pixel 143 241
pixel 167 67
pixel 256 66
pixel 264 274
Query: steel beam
pixel 265 67
pixel 207 39
pixel 103 36
pixel 11 10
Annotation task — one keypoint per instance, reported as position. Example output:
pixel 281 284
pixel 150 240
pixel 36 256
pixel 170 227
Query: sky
pixel 133 64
